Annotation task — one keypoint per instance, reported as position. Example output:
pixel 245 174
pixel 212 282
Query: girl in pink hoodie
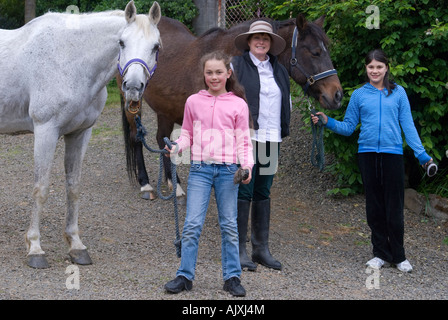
pixel 216 129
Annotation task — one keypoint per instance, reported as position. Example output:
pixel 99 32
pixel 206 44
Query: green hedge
pixel 414 35
pixel 12 11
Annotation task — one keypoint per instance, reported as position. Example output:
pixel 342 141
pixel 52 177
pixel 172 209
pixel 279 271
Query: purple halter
pixel 149 72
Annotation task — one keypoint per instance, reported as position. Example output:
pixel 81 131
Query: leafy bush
pixel 414 35
pixel 12 11
pixel 12 14
pixel 184 11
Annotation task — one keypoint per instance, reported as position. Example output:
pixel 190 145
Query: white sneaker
pixel 376 263
pixel 404 266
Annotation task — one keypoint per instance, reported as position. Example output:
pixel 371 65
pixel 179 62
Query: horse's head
pixel 310 63
pixel 139 48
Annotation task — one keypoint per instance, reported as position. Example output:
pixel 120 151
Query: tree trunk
pixel 30 10
pixel 208 16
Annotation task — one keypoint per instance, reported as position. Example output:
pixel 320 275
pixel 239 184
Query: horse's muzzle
pixel 331 100
pixel 133 96
pixel 133 90
pixel 133 106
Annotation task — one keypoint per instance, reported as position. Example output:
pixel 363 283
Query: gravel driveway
pixel 322 241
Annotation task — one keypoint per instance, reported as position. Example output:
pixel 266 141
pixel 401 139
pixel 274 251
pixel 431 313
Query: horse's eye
pixel 316 53
pixel 156 47
pixel 121 43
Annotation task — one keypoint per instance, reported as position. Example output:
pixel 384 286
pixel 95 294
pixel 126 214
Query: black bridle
pixel 310 79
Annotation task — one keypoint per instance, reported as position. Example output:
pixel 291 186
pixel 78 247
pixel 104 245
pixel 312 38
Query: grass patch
pixel 113 94
pixel 445 241
pixel 13 152
pixel 105 132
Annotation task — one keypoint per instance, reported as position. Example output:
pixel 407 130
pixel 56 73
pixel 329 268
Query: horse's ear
pixel 320 21
pixel 130 12
pixel 301 21
pixel 155 13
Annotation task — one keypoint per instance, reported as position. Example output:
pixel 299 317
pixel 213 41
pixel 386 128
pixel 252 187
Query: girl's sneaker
pixel 376 263
pixel 404 266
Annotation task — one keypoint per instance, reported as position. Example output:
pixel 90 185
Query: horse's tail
pixel 130 143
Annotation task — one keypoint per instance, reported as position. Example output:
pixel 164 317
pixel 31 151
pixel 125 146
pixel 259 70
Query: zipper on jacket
pixel 379 126
pixel 211 127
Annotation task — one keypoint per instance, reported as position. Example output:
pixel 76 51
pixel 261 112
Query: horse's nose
pixel 133 88
pixel 338 96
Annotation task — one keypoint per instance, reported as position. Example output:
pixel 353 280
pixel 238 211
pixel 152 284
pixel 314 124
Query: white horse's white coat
pixel 54 73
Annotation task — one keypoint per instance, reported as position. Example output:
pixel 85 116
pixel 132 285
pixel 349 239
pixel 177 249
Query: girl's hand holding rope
pixel 319 116
pixel 171 151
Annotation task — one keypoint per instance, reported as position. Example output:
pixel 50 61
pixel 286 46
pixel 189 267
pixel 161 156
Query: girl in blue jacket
pixel 382 107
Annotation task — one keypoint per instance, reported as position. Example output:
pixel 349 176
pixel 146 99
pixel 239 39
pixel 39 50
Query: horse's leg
pixel 164 128
pixel 147 191
pixel 75 149
pixel 135 161
pixel 45 140
pixel 142 175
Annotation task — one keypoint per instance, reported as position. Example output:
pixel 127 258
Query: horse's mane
pixel 143 23
pixel 281 24
pixel 311 28
pixel 316 31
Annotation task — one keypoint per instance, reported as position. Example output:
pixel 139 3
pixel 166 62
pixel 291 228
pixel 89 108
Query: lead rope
pixel 141 133
pixel 317 150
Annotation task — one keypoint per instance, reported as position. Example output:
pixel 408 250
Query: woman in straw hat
pixel 267 87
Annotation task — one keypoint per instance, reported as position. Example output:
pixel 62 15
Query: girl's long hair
pixel 379 55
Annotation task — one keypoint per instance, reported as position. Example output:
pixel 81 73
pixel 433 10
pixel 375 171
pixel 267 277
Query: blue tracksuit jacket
pixel 382 118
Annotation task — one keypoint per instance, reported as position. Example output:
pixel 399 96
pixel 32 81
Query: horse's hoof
pixel 37 261
pixel 80 257
pixel 182 200
pixel 145 195
pixel 148 195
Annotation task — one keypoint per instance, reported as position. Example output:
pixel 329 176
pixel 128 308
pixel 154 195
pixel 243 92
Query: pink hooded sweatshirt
pixel 217 129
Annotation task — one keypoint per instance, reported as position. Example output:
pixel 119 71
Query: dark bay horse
pixel 179 75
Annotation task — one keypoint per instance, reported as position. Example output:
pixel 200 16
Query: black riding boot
pixel 243 220
pixel 261 213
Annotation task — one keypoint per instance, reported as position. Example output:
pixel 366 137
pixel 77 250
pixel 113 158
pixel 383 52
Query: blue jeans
pixel 202 178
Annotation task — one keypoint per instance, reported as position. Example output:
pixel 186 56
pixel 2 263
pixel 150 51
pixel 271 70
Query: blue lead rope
pixel 317 151
pixel 141 133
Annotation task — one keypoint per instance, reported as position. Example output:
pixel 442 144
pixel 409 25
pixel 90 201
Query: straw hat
pixel 278 44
